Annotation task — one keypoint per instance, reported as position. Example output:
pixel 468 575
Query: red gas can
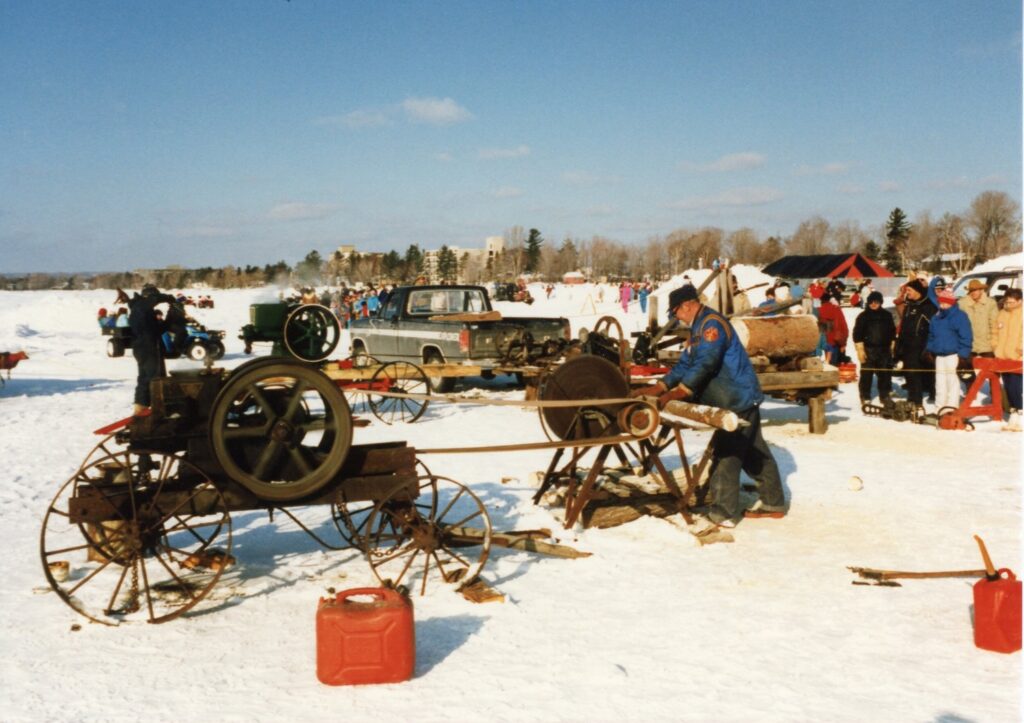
pixel 365 642
pixel 997 613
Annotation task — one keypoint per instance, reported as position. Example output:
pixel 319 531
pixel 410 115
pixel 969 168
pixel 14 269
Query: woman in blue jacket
pixel 949 341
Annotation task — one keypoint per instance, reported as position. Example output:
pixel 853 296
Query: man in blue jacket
pixel 949 341
pixel 714 369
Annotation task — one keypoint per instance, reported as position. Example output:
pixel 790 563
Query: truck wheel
pixel 197 352
pixel 115 348
pixel 441 385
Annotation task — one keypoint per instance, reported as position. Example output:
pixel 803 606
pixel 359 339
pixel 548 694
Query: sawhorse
pixel 648 452
pixel 987 370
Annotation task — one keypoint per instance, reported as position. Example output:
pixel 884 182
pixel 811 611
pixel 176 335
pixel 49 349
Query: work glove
pixel 964 363
pixel 678 394
pixel 653 390
pixel 862 356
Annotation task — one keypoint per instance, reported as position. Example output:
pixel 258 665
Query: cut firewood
pixel 479 591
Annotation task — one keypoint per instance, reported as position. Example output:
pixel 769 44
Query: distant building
pixel 468 258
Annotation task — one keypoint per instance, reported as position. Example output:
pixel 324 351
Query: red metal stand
pixel 987 370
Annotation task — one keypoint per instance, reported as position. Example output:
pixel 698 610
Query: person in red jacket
pixel 833 324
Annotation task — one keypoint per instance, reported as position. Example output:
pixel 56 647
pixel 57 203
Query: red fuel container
pixel 997 613
pixel 365 642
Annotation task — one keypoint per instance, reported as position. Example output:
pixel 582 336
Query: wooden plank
pixel 779 381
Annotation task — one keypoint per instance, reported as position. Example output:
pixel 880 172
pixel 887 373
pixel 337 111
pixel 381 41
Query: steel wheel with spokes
pixel 351 518
pixel 444 533
pixel 135 536
pixel 404 378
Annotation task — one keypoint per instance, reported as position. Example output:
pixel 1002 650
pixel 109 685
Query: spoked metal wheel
pixel 283 430
pixel 352 518
pixel 403 378
pixel 135 536
pixel 444 534
pixel 311 332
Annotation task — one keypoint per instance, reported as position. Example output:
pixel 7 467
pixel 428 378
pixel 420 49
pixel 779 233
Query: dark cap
pixel 150 290
pixel 875 296
pixel 678 296
pixel 918 286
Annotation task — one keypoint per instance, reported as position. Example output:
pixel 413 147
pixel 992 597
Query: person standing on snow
pixel 146 332
pixel 714 369
pixel 874 333
pixel 949 342
pixel 918 311
pixel 833 323
pixel 1008 346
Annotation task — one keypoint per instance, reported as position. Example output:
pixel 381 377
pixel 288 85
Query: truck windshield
pixel 429 302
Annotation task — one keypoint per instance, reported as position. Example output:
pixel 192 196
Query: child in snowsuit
pixel 874 333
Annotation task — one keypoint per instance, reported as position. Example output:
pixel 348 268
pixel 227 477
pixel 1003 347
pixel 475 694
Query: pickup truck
pixel 455 325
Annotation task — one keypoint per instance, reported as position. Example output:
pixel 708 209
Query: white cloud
pixel 889 186
pixel 850 189
pixel 827 169
pixel 298 211
pixel 731 162
pixel 491 154
pixel 435 111
pixel 758 196
pixel 507 192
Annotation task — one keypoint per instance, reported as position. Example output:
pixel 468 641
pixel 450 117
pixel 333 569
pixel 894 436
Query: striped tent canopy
pixel 820 266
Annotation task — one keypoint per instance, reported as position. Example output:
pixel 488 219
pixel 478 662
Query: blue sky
pixel 141 134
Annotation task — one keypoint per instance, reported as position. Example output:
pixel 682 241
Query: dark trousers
pixel 920 375
pixel 744 449
pixel 151 366
pixel 1012 384
pixel 878 359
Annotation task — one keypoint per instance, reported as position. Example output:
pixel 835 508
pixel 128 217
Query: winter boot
pixel 1013 424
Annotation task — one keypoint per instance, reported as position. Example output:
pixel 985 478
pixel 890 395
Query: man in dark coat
pixel 913 339
pixel 146 332
pixel 874 333
pixel 714 369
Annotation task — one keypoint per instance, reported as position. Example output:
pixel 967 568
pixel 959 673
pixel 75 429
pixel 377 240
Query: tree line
pixel 989 227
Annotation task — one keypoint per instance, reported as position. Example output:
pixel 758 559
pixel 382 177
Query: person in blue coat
pixel 949 342
pixel 714 369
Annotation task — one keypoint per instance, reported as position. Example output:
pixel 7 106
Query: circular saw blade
pixel 583 377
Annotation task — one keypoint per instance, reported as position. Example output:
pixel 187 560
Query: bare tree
pixel 994 219
pixel 810 237
pixel 953 240
pixel 515 250
pixel 848 237
pixel 743 246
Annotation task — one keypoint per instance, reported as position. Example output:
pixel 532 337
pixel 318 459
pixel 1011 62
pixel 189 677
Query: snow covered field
pixel 651 627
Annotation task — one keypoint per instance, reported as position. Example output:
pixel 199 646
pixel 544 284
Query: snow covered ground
pixel 651 627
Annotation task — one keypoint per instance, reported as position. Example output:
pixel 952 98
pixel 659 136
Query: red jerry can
pixel 365 642
pixel 997 616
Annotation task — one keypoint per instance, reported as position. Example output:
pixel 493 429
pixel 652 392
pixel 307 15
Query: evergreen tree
pixel 413 263
pixel 533 244
pixel 897 231
pixel 872 250
pixel 447 265
pixel 391 265
pixel 308 270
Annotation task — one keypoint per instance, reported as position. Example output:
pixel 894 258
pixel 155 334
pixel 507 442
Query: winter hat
pixel 875 296
pixel 918 286
pixel 946 296
pixel 826 297
pixel 678 296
